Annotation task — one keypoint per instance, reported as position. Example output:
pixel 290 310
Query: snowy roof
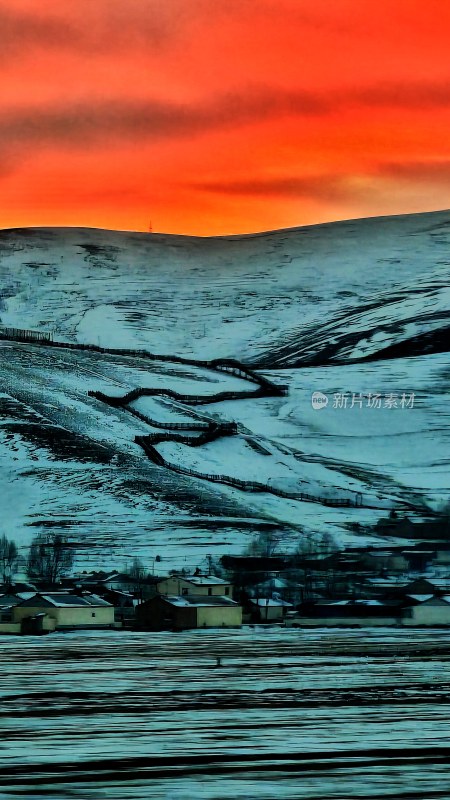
pixel 63 599
pixel 197 600
pixel 96 577
pixel 276 583
pixel 266 601
pixel 7 600
pixel 434 599
pixel 112 577
pixel 203 580
pixel 420 597
pixel 118 593
pixel 359 602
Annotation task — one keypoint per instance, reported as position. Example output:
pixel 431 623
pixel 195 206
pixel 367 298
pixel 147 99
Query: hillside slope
pixel 353 310
pixel 339 291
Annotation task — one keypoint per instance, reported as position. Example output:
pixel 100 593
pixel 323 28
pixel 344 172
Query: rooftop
pixel 197 600
pixel 266 601
pixel 63 599
pixel 201 580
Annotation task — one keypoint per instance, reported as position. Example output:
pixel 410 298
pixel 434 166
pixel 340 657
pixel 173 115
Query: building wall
pixel 428 615
pixel 395 562
pixel 442 557
pixel 219 617
pixel 34 626
pixel 71 616
pixel 269 613
pixel 10 627
pixel 157 615
pixel 48 623
pixel 175 585
pixel 342 622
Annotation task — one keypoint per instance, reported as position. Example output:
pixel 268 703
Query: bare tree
pixel 310 555
pixel 316 545
pixel 137 572
pixel 9 557
pixel 265 544
pixel 50 558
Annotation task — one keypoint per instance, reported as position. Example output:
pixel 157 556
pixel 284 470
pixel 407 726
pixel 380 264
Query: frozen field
pixel 289 714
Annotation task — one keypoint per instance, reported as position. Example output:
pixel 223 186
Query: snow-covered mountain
pixel 357 311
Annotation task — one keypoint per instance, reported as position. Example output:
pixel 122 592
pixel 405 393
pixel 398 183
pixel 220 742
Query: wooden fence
pixel 24 335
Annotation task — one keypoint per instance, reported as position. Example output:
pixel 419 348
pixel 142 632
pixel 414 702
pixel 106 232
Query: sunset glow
pixel 212 117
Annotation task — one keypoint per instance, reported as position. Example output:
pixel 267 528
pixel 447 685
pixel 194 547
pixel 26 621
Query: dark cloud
pixel 406 95
pixel 20 32
pixel 118 27
pixel 88 124
pixel 98 27
pixel 83 124
pixel 321 187
pixel 433 171
pixel 331 187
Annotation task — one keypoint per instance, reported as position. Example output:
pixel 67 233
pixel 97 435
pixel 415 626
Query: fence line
pixel 189 399
pixel 176 426
pixel 231 365
pixel 210 430
pixel 147 443
pixel 24 335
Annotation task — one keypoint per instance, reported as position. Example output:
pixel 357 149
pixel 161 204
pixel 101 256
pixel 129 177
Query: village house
pixel 7 602
pixel 68 611
pixel 204 585
pixel 426 610
pixel 175 612
pixel 278 588
pixel 102 582
pixel 442 556
pixel 419 586
pixel 385 561
pixel 266 609
pixel 124 604
pixel 9 599
pixel 345 613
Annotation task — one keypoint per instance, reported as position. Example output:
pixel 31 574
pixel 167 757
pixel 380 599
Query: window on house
pixel 209 591
pixel 184 591
pixel 93 613
pixel 227 590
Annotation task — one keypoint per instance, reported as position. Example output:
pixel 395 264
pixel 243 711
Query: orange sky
pixel 222 116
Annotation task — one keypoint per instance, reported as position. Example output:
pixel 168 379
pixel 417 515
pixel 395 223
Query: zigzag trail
pixel 210 431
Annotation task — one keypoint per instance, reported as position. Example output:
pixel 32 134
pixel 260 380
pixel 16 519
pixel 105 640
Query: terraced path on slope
pixel 179 432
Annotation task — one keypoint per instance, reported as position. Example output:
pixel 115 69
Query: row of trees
pixel 270 543
pixel 49 558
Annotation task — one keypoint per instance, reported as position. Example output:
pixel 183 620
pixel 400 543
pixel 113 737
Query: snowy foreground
pixel 288 714
pixel 305 307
